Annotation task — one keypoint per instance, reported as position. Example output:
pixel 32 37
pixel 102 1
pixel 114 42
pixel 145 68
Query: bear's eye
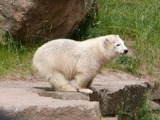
pixel 118 44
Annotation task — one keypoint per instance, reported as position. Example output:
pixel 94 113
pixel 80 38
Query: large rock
pixel 20 101
pixel 116 92
pixel 29 19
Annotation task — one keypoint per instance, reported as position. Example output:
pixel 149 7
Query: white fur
pixel 63 60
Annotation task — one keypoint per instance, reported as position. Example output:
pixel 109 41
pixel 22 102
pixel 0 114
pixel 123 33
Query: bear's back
pixel 62 44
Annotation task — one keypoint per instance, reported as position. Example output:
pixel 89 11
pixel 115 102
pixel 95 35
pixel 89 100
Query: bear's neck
pixel 103 56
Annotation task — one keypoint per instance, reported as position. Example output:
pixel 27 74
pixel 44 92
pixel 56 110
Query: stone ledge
pixel 26 104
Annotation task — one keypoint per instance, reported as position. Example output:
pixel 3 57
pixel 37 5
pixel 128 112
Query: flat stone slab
pixel 20 101
pixel 116 92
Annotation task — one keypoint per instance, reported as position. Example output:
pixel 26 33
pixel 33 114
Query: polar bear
pixel 62 61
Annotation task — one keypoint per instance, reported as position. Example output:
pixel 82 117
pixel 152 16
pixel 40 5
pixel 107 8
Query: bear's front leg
pixel 82 81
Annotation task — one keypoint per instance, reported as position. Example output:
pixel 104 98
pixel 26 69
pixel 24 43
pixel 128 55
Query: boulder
pixel 118 93
pixel 20 101
pixel 28 20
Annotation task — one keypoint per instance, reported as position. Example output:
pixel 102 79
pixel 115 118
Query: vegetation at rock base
pixel 142 112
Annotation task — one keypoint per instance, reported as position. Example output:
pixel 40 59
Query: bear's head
pixel 115 44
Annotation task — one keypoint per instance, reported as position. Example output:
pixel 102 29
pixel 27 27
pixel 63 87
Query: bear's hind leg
pixel 60 83
pixel 89 83
pixel 82 83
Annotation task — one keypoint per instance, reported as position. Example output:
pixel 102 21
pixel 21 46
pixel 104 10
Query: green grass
pixel 15 60
pixel 126 64
pixel 138 23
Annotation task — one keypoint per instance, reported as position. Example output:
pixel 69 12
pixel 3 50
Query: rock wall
pixel 51 19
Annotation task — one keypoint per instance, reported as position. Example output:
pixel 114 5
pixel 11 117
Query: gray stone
pixel 118 93
pixel 20 101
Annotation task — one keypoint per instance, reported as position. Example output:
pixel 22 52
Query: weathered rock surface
pixel 29 19
pixel 116 92
pixel 20 101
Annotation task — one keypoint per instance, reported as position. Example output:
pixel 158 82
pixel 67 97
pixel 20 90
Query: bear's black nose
pixel 125 51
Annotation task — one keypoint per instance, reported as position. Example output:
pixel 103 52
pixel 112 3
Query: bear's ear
pixel 106 41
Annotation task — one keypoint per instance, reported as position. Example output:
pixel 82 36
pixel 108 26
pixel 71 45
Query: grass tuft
pixel 127 64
